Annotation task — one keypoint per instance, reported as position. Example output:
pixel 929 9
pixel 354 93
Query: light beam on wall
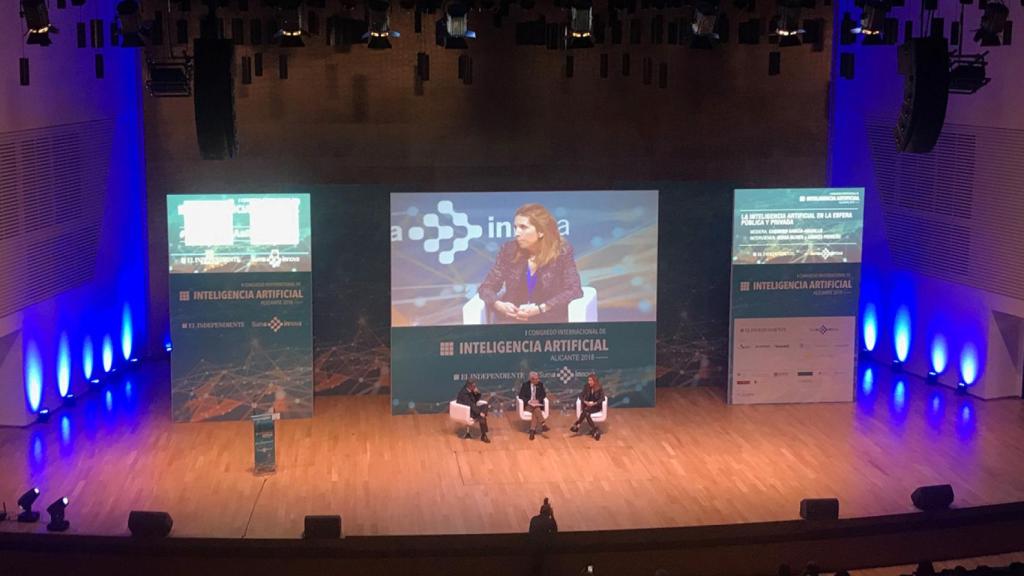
pixel 63 365
pixel 108 353
pixel 940 357
pixel 87 357
pixel 869 326
pixel 969 364
pixel 33 376
pixel 126 332
pixel 901 333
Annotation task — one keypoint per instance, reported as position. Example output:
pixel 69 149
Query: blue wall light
pixel 969 364
pixel 63 365
pixel 901 333
pixel 108 353
pixel 87 357
pixel 126 332
pixel 869 327
pixel 33 376
pixel 940 357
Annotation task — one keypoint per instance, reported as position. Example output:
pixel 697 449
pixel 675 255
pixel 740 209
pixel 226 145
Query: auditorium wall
pixel 941 228
pixel 350 125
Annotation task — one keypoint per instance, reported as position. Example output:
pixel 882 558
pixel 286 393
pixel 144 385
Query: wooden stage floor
pixel 693 460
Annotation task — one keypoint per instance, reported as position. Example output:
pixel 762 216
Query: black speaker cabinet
pixel 937 497
pixel 145 524
pixel 819 509
pixel 322 527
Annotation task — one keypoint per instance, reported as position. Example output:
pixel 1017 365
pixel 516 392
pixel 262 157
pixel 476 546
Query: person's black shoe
pixel 597 434
pixel 531 434
pixel 574 429
pixel 485 439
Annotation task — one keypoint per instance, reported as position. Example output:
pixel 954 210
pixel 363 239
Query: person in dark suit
pixel 591 402
pixel 470 396
pixel 544 523
pixel 532 394
pixel 534 277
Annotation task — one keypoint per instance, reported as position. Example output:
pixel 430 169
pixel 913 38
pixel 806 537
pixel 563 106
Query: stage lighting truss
pixel 580 31
pixel 704 27
pixel 378 23
pixel 37 21
pixel 169 77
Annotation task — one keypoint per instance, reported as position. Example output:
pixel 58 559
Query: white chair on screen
pixel 582 309
pixel 526 415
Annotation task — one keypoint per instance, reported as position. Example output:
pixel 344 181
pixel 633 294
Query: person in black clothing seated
pixel 544 523
pixel 470 396
pixel 591 402
pixel 532 394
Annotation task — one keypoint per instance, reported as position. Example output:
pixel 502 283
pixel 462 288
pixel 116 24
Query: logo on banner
pixel 447 348
pixel 744 286
pixel 274 259
pixel 445 232
pixel 565 374
pixel 824 329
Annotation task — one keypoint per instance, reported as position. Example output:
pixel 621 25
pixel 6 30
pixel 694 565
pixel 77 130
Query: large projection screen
pixel 795 285
pixel 240 305
pixel 459 261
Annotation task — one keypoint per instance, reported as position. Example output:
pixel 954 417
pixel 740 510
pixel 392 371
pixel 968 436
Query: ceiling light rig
pixel 289 14
pixel 786 24
pixel 452 30
pixel 37 20
pixel 378 21
pixel 705 25
pixel 580 32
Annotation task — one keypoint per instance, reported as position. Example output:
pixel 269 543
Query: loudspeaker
pixel 322 527
pixel 143 524
pixel 925 63
pixel 937 497
pixel 214 98
pixel 774 63
pixel 819 509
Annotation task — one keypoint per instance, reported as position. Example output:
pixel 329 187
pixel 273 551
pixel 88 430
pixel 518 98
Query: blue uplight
pixel 33 376
pixel 126 332
pixel 969 364
pixel 901 333
pixel 940 358
pixel 63 365
pixel 870 327
pixel 87 357
pixel 899 395
pixel 65 430
pixel 108 353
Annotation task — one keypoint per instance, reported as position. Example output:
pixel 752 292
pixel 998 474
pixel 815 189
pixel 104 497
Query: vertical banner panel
pixel 795 288
pixel 240 306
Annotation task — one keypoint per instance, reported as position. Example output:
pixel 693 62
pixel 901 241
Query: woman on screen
pixel 536 270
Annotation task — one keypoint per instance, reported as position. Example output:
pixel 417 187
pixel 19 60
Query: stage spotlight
pixel 56 511
pixel 43 416
pixel 70 400
pixel 786 24
pixel 453 30
pixel 25 503
pixel 933 377
pixel 705 22
pixel 580 31
pixel 872 19
pixel 993 23
pixel 37 20
pixel 897 365
pixel 378 22
pixel 290 15
pixel 961 387
pixel 129 17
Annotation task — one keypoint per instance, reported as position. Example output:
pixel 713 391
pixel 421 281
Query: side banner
pixel 240 306
pixel 795 289
pixel 436 361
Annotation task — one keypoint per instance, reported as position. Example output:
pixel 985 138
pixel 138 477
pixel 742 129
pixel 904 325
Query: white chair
pixel 461 414
pixel 596 416
pixel 526 415
pixel 582 309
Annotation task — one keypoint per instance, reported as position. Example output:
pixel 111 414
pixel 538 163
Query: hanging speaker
pixel 23 77
pixel 924 62
pixel 214 98
pixel 774 63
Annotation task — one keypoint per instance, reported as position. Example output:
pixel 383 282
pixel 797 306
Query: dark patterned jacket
pixel 558 283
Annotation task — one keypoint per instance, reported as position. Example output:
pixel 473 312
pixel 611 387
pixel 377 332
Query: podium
pixel 264 443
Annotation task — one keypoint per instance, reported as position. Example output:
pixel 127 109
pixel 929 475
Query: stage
pixel 693 460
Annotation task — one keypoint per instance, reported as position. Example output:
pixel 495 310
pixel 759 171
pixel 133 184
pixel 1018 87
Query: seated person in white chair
pixel 532 394
pixel 469 396
pixel 536 270
pixel 591 402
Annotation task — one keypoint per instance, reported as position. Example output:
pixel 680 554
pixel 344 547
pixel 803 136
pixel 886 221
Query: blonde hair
pixel 551 242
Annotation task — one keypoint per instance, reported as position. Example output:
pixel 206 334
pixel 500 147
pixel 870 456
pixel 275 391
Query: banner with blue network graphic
pixel 527 281
pixel 795 287
pixel 240 306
